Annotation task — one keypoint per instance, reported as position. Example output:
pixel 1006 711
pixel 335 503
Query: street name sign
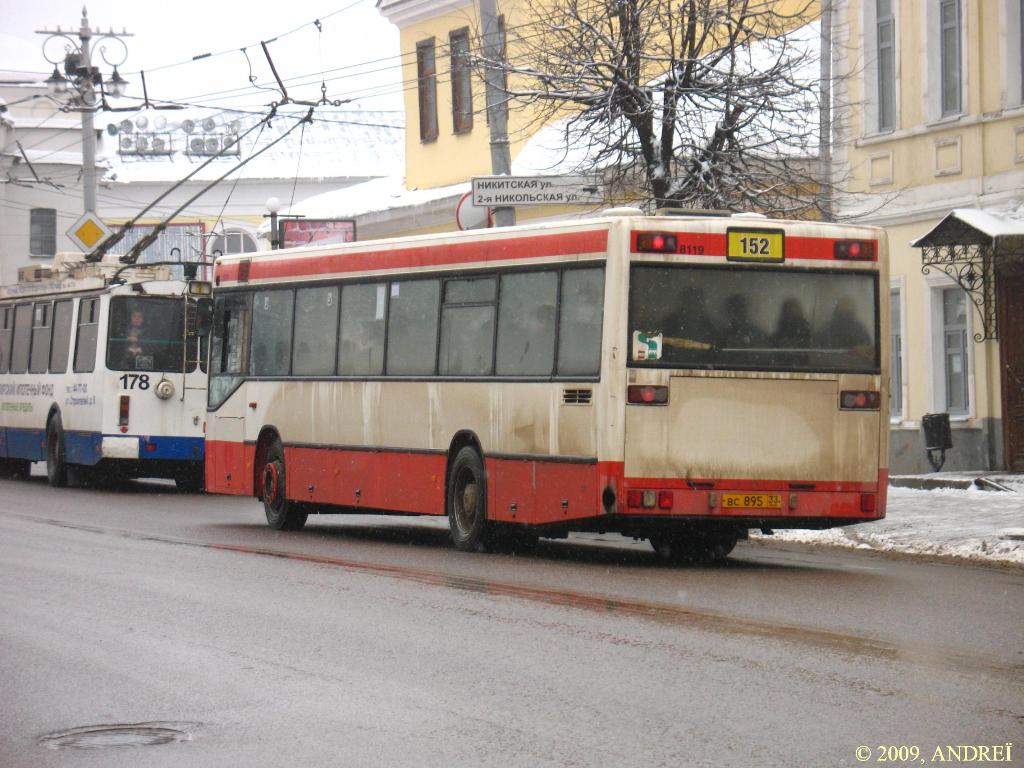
pixel 494 191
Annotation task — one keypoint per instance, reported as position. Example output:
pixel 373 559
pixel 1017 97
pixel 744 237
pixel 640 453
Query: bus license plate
pixel 751 501
pixel 755 245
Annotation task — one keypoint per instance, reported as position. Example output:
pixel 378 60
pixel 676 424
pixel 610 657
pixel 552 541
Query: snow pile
pixel 971 524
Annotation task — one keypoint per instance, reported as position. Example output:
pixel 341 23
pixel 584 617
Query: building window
pixel 954 348
pixel 949 56
pixel 462 83
pixel 426 78
pixel 232 241
pixel 885 26
pixel 42 239
pixel 896 353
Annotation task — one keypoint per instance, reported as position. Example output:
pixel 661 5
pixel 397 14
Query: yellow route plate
pixel 755 245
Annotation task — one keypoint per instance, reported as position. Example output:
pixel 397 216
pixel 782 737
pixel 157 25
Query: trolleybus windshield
pixel 148 334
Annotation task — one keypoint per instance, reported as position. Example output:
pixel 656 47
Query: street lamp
pixel 273 205
pixel 77 86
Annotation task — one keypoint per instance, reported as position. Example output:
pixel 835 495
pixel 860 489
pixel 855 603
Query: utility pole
pixel 825 114
pixel 497 104
pixel 80 86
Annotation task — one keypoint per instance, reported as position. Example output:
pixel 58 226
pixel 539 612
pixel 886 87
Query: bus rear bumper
pixel 755 503
pixel 152 447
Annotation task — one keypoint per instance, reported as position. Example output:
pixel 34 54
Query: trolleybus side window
pixel 363 309
pixel 316 338
pixel 229 355
pixel 526 324
pixel 6 335
pixel 272 332
pixel 22 338
pixel 579 330
pixel 61 343
pixel 42 333
pixel 412 327
pixel 467 327
pixel 86 337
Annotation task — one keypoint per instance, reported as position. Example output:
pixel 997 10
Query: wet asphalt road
pixel 365 642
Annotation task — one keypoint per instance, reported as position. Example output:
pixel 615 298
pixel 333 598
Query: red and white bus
pixel 679 379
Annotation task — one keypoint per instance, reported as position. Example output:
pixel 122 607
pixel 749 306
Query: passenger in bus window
pixel 740 331
pixel 792 331
pixel 844 331
pixel 134 355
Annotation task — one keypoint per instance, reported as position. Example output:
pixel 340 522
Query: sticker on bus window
pixel 381 298
pixel 647 345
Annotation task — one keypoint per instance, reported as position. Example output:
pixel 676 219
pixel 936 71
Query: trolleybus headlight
pixel 164 389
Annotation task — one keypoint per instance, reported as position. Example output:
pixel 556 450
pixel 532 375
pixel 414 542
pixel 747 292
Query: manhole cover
pixel 123 735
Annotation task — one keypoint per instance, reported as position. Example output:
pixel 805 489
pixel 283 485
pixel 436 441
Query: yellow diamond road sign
pixel 88 232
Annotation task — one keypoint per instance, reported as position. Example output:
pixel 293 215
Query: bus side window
pixel 526 324
pixel 62 313
pixel 272 316
pixel 579 327
pixel 412 327
pixel 22 338
pixel 85 339
pixel 42 334
pixel 316 322
pixel 6 336
pixel 467 327
pixel 361 351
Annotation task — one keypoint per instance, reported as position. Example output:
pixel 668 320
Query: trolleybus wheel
pixel 466 501
pixel 56 467
pixel 282 514
pixel 15 468
pixel 189 481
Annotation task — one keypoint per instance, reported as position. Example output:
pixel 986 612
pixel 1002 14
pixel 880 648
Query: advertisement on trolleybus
pixel 676 379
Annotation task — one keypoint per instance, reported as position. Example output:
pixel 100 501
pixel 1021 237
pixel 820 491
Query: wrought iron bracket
pixel 972 267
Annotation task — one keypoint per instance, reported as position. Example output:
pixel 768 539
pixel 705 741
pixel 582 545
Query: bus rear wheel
pixel 282 513
pixel 697 547
pixel 466 501
pixel 56 466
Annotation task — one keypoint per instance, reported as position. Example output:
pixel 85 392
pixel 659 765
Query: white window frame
pixel 897 285
pixel 933 64
pixel 869 40
pixel 232 232
pixel 1012 25
pixel 937 358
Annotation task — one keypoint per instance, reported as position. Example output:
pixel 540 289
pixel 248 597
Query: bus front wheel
pixel 56 467
pixel 466 501
pixel 282 513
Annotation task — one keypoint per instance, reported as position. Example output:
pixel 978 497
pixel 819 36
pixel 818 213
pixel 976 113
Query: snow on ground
pixel 984 526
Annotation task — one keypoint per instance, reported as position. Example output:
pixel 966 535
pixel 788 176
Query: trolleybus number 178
pixel 134 381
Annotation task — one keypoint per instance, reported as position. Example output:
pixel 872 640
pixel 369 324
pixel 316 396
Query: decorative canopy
pixel 969 245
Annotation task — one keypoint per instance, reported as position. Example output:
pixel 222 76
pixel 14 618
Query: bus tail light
pixel 656 242
pixel 854 250
pixel 641 394
pixel 122 411
pixel 867 502
pixel 859 400
pixel 665 500
pixel 646 499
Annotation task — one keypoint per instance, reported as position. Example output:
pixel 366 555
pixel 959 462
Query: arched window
pixel 232 241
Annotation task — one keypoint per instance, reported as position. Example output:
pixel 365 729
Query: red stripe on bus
pixel 714 244
pixel 266 267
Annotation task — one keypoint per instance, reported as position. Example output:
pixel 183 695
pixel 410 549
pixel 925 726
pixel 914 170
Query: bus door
pixel 228 460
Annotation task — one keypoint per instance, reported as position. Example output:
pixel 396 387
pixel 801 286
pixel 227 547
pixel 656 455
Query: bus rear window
pixel 753 319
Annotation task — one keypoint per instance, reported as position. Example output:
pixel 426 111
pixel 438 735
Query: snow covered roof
pixel 163 146
pixel 1002 231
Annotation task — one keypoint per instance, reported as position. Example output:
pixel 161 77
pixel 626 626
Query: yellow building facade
pixel 933 146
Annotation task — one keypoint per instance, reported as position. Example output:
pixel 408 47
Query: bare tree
pixel 691 103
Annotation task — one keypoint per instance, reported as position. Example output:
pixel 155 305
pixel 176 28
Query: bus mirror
pixel 204 317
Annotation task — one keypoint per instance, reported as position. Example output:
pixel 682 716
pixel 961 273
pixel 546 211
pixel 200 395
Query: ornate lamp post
pixel 77 86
